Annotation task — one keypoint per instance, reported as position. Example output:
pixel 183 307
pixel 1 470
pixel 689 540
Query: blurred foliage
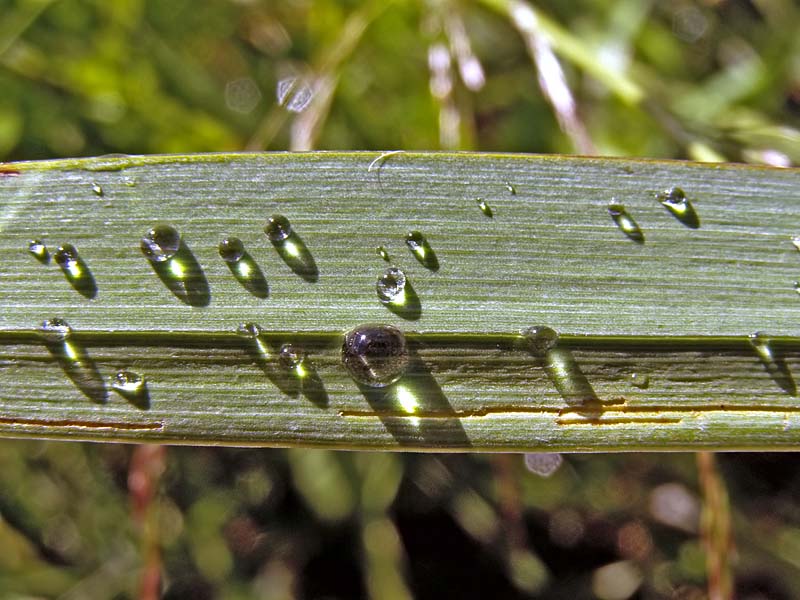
pixel 707 80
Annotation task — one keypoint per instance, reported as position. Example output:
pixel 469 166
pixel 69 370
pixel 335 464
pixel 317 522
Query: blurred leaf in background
pixel 704 80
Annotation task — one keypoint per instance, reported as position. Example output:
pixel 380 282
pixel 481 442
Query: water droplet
pixel 66 256
pixel 248 330
pixel 129 181
pixel 760 341
pixel 625 222
pixel 291 358
pixel 543 464
pixel 540 338
pixel 278 228
pixel 391 285
pixel 422 250
pixel 231 249
pixel 97 188
pixel 383 253
pixel 773 361
pixel 55 330
pixel 375 355
pixel 796 241
pixel 640 380
pixel 797 286
pixel 675 201
pixel 511 189
pixel 39 251
pixel 127 382
pixel 485 208
pixel 161 243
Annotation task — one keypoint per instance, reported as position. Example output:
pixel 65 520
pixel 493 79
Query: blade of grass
pixel 654 334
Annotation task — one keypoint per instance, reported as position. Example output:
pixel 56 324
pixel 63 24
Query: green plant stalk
pixel 654 351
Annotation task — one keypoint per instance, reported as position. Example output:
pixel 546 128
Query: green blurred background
pixel 703 80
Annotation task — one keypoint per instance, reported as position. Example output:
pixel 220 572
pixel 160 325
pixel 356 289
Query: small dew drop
pixel 760 341
pixel 375 355
pixel 278 228
pixel 291 358
pixel 231 249
pixel 543 464
pixel 540 338
pixel 391 285
pixel 675 201
pixel 797 286
pixel 248 330
pixel 97 189
pixel 511 189
pixel 38 249
pixel 55 330
pixel 485 208
pixel 640 380
pixel 383 253
pixel 796 241
pixel 127 382
pixel 66 257
pixel 422 250
pixel 161 243
pixel 625 222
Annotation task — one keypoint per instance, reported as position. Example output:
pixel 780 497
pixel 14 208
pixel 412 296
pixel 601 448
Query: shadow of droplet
pixel 79 368
pixel 76 271
pixel 564 372
pixel 415 410
pixel 312 386
pixel 408 306
pixel 421 249
pixel 294 252
pixel 676 202
pixel 775 365
pixel 626 223
pixel 249 275
pixel 140 397
pixel 184 277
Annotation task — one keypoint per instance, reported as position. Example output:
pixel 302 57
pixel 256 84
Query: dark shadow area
pixel 294 252
pixel 563 370
pixel 77 273
pixel 80 368
pixel 140 398
pixel 422 250
pixel 265 356
pixel 184 277
pixel 249 275
pixel 775 365
pixel 410 308
pixel 627 225
pixel 415 410
pixel 683 211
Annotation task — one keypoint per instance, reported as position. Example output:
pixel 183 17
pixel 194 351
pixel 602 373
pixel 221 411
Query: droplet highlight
pixel 55 330
pixel 39 251
pixel 243 267
pixel 278 228
pixel 131 386
pixel 640 380
pixel 796 241
pixel 161 243
pixel 543 464
pixel 773 362
pixel 675 201
pixel 625 222
pixel 511 189
pixel 391 285
pixel 383 253
pixel 422 250
pixel 485 208
pixel 375 355
pixel 75 270
pixel 97 189
pixel 291 358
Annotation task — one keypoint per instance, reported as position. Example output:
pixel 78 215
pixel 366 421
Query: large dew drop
pixel 161 243
pixel 540 339
pixel 231 249
pixel 278 228
pixel 375 355
pixel 55 330
pixel 127 382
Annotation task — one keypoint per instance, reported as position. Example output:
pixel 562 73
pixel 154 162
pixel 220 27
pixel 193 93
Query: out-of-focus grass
pixel 719 80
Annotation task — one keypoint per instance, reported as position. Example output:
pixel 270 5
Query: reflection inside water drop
pixel 55 330
pixel 422 250
pixel 248 330
pixel 278 228
pixel 375 355
pixel 231 249
pixel 127 382
pixel 485 208
pixel 540 338
pixel 640 380
pixel 391 285
pixel 675 201
pixel 291 358
pixel 383 253
pixel 39 251
pixel 161 243
pixel 97 188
